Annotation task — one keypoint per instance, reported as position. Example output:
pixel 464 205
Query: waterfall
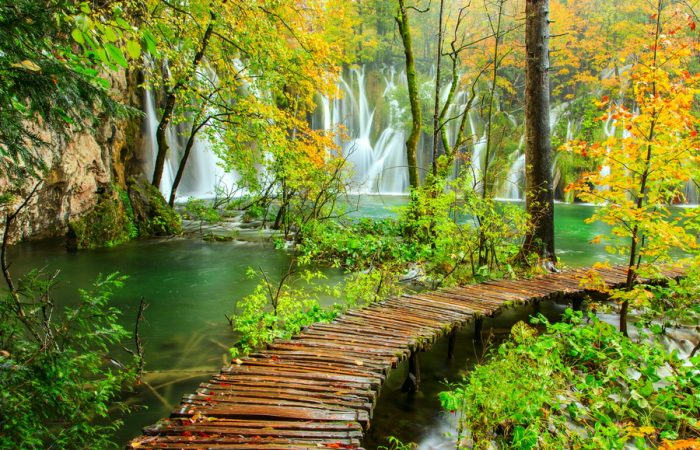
pixel 379 165
pixel 512 188
pixel 202 173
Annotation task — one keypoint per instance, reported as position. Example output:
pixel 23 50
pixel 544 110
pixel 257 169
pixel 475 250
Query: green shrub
pixel 278 311
pixel 199 209
pixel 577 385
pixel 152 215
pixel 56 368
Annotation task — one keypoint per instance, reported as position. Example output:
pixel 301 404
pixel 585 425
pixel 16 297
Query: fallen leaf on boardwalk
pixel 238 361
pixel 138 443
pixel 359 363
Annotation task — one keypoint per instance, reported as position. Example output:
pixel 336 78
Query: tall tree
pixel 173 90
pixel 539 195
pixel 412 142
pixel 438 72
pixel 649 164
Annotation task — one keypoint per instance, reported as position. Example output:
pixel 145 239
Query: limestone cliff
pixel 82 165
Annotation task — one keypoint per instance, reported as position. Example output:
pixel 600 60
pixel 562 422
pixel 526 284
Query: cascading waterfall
pixel 202 173
pixel 515 179
pixel 512 187
pixel 373 120
pixel 379 166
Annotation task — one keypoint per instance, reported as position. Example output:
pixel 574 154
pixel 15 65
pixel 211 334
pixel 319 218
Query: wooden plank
pixel 304 373
pixel 217 384
pixel 281 398
pixel 271 412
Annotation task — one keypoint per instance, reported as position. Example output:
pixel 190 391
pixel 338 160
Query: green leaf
pixel 524 439
pixel 123 23
pixel 151 42
pixel 64 115
pixel 103 82
pixel 110 35
pixel 102 55
pixel 647 389
pixel 116 55
pixel 133 49
pixel 18 106
pixel 77 36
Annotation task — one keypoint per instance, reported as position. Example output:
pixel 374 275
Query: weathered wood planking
pixel 318 389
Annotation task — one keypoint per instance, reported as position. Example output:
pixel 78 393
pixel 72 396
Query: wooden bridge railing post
pixel 451 344
pixel 478 330
pixel 412 383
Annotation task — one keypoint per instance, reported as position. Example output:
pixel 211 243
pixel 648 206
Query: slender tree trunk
pixel 539 196
pixel 635 246
pixel 438 73
pixel 183 161
pixel 170 101
pixel 487 185
pixel 412 141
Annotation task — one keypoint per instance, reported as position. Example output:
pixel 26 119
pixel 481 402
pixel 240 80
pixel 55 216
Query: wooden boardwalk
pixel 318 389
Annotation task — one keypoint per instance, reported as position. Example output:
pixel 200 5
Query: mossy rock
pixel 152 215
pixel 110 223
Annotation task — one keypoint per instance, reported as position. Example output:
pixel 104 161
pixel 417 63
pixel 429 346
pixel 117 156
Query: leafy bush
pixel 454 236
pixel 152 214
pixel 359 245
pixel 278 312
pixel 110 223
pixel 281 310
pixel 577 386
pixel 56 370
pixel 198 209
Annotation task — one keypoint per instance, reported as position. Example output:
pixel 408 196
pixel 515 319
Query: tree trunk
pixel 539 196
pixel 183 161
pixel 412 141
pixel 637 241
pixel 438 74
pixel 486 181
pixel 170 101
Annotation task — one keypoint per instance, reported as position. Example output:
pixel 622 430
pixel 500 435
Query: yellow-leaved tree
pixel 644 168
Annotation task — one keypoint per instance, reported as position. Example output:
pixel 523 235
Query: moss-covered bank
pixel 122 215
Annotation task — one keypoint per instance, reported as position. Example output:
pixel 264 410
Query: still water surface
pixel 191 286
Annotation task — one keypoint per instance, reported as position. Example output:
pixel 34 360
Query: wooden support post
pixel 412 383
pixel 478 329
pixel 536 307
pixel 577 303
pixel 451 344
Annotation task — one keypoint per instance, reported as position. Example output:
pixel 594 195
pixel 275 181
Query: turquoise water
pixel 191 286
pixel 573 235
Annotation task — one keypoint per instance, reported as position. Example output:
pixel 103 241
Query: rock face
pixel 81 166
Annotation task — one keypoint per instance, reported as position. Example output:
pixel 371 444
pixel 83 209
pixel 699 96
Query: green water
pixel 573 236
pixel 192 285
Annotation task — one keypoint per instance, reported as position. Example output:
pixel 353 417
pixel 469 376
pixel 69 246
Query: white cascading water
pixel 379 166
pixel 202 173
pixel 377 157
pixel 515 179
pixel 512 186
